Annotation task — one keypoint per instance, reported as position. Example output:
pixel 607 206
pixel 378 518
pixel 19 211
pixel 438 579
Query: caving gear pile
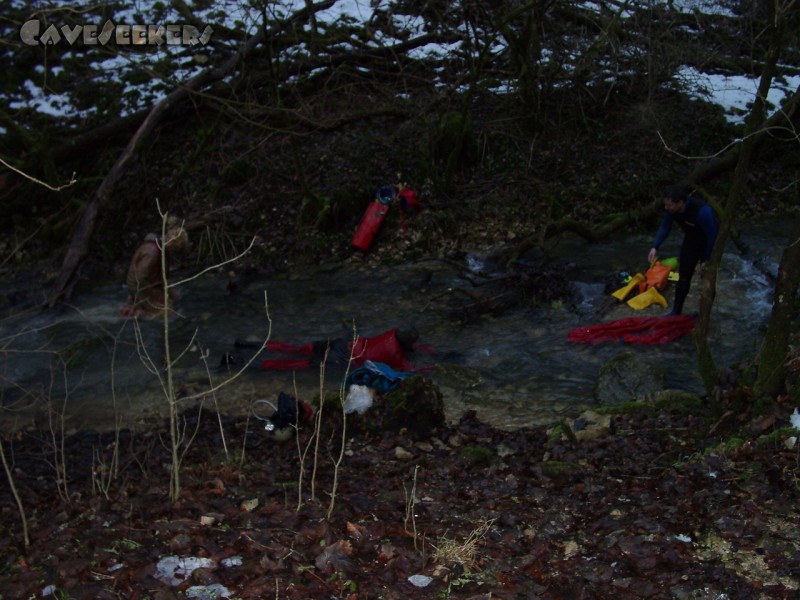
pixel 376 376
pixel 649 286
pixel 384 348
pixel 377 210
pixel 640 330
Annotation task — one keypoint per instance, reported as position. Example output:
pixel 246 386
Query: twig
pixel 12 485
pixel 72 179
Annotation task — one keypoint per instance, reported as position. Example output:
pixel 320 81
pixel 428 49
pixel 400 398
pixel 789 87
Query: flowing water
pixel 515 369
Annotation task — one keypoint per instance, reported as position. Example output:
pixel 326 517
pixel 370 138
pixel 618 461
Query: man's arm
pixel 661 235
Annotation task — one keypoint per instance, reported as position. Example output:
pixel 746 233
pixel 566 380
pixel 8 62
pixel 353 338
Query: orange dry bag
pixel 656 276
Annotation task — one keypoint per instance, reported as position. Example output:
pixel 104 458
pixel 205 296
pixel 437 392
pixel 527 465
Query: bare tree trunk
pixel 754 131
pixel 78 249
pixel 774 346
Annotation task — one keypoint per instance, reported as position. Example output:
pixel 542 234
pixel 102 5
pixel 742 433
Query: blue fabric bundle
pixel 376 376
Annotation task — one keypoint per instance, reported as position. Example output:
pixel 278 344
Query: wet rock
pixel 477 456
pixel 558 470
pixel 670 398
pixel 627 377
pixel 595 573
pixel 402 454
pixel 208 592
pixel 458 377
pixel 590 426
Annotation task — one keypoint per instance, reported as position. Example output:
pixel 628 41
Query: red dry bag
pixel 370 223
pixel 384 348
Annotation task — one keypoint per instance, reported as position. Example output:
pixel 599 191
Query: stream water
pixel 516 369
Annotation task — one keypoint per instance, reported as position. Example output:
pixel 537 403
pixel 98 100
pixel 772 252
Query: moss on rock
pixel 416 404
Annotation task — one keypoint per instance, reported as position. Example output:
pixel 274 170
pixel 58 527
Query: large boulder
pixel 627 377
pixel 416 405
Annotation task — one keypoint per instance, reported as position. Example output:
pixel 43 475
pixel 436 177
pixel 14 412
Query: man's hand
pixel 652 256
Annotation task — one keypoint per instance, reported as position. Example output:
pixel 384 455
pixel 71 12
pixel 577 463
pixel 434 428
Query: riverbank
pixel 654 507
pixel 668 501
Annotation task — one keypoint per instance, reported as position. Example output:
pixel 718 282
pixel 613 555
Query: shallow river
pixel 517 369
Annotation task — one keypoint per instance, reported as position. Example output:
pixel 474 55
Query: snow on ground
pixel 733 93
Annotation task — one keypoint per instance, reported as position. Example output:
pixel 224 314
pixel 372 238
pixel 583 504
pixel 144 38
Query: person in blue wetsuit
pixel 699 225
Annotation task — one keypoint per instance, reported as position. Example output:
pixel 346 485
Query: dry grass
pixel 465 553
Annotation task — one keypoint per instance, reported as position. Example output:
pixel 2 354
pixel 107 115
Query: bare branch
pixel 72 179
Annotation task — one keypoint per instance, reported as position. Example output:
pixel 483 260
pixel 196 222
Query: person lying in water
pixel 145 276
pixel 390 348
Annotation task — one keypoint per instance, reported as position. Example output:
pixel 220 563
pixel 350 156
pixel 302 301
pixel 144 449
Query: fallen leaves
pixel 630 513
pixel 336 557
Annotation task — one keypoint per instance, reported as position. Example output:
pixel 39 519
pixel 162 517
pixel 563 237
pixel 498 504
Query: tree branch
pixel 79 246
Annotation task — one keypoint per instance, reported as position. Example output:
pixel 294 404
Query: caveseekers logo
pixel 34 33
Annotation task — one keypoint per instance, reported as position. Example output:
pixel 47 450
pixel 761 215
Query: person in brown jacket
pixel 145 277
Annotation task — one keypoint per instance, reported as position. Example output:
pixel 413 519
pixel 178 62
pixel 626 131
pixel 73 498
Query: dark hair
pixel 677 193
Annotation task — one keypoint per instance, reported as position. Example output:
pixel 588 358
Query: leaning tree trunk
pixel 754 131
pixel 79 247
pixel 772 356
